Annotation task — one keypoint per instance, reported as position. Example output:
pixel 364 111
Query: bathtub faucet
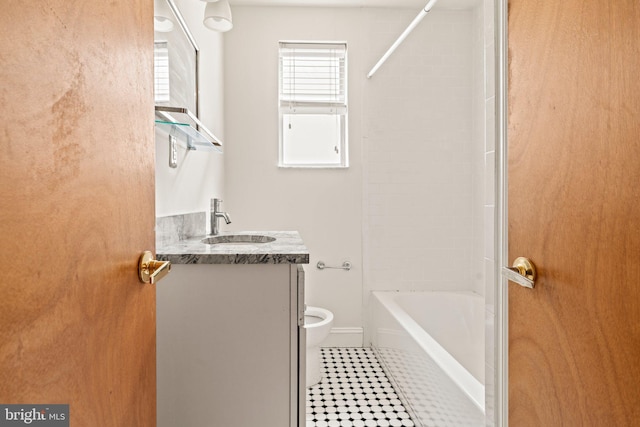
pixel 215 214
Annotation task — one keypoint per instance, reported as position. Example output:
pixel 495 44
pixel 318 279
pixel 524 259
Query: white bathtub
pixel 432 345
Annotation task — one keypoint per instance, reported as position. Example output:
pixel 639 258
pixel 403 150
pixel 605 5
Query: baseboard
pixel 344 337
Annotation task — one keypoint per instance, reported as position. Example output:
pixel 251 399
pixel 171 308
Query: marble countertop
pixel 287 248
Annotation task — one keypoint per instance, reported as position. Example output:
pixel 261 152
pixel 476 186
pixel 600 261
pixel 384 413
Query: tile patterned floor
pixel 354 392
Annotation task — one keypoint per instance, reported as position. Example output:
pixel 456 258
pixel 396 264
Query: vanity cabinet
pixel 230 346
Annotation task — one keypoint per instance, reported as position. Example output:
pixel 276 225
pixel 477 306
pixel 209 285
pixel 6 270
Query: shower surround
pixel 422 164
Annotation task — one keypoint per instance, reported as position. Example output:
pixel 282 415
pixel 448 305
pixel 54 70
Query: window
pixel 313 104
pixel 161 72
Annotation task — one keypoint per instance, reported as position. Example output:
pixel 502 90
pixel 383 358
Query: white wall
pixel 199 175
pixel 408 213
pixel 478 153
pixel 419 157
pixel 324 205
pixel 424 158
pixel 490 265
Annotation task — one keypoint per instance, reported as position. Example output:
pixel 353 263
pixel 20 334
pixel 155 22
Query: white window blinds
pixel 312 78
pixel 161 72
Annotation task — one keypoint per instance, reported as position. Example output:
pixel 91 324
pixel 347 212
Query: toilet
pixel 317 323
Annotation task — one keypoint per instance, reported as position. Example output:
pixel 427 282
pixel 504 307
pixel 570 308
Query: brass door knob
pixel 523 272
pixel 150 270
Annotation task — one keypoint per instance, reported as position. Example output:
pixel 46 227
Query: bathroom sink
pixel 238 239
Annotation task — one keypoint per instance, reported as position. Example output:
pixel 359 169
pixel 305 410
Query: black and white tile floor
pixel 354 392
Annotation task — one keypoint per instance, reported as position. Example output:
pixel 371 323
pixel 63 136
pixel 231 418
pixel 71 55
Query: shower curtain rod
pixel 403 36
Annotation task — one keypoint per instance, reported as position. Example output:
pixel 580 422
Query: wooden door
pixel 574 209
pixel 77 208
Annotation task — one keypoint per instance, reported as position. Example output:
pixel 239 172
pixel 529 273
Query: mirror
pixel 175 59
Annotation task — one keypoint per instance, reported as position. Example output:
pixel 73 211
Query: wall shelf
pixel 187 128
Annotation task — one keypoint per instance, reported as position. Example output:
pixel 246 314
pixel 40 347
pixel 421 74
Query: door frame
pixel 501 331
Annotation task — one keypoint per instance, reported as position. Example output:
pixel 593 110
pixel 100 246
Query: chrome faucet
pixel 215 214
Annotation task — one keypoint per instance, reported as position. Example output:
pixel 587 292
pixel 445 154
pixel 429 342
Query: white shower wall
pixel 408 212
pixel 421 162
pixel 485 15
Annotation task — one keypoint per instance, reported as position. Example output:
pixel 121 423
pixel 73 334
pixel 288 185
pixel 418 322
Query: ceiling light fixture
pixel 162 21
pixel 217 15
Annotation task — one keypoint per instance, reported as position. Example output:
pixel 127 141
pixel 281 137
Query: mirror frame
pixel 192 41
